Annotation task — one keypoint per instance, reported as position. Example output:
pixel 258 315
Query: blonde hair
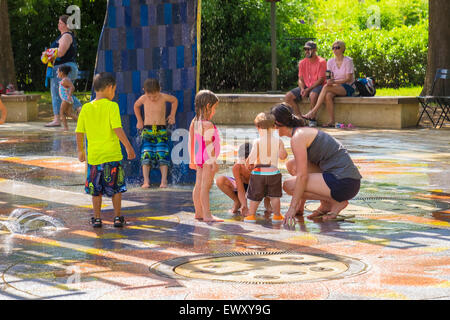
pixel 340 43
pixel 204 100
pixel 265 120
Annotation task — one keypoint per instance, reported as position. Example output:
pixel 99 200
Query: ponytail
pixel 285 116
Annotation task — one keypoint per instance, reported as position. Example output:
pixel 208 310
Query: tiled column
pixel 151 39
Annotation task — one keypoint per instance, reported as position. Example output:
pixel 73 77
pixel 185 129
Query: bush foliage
pixel 387 39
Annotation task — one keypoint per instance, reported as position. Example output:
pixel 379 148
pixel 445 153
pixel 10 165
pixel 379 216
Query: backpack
pixel 365 87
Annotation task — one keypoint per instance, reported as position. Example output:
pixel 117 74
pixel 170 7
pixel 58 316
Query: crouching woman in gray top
pixel 322 168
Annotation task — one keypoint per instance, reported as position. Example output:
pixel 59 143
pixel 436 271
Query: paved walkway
pixel 395 247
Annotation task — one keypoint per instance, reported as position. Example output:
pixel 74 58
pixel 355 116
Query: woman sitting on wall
pixel 339 83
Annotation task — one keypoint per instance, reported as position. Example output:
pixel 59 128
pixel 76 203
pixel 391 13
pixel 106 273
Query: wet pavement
pixel 397 245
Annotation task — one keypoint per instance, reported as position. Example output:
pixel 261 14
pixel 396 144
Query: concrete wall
pixel 21 108
pixel 370 112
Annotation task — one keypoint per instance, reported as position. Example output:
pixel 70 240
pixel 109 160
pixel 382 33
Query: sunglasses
pixel 336 48
pixel 307 49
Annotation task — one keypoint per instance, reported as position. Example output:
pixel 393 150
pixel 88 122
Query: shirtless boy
pixel 155 148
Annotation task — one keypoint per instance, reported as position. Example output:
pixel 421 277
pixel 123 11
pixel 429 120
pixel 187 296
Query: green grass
pixel 408 91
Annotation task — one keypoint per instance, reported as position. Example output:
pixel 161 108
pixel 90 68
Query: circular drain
pixel 260 267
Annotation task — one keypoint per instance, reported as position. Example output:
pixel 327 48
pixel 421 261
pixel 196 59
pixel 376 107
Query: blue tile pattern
pixel 151 38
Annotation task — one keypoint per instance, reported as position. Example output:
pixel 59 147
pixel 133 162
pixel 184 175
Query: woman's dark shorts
pixel 106 178
pixel 261 186
pixel 349 89
pixel 342 189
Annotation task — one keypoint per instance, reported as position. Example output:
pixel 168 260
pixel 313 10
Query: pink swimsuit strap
pixel 200 152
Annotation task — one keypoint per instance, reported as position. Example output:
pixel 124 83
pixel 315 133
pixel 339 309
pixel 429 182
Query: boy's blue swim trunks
pixel 155 147
pixel 106 178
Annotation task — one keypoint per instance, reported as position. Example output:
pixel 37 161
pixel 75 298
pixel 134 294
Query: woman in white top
pixel 339 84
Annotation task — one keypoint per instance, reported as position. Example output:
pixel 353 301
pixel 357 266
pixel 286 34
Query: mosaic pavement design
pixel 398 240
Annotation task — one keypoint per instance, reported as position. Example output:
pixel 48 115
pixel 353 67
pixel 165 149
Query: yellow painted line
pixel 390 295
pixel 58 163
pixel 71 198
pixel 445 284
pixel 436 249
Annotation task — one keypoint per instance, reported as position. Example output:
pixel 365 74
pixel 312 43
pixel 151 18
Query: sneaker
pixel 277 218
pixel 96 222
pixel 251 218
pixel 119 222
pixel 312 123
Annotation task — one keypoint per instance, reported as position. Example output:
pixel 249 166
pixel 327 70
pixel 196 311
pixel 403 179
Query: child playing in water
pixel 235 187
pixel 100 121
pixel 265 179
pixel 66 89
pixel 155 148
pixel 204 149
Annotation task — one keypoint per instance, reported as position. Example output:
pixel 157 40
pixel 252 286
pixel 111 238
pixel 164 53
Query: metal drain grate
pixel 264 267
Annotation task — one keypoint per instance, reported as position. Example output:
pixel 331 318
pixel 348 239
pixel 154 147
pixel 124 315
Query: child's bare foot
pixel 198 218
pixel 235 208
pixel 212 218
pixel 145 186
pixel 163 185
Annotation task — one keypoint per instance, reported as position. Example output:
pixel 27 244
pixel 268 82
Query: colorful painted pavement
pixel 396 246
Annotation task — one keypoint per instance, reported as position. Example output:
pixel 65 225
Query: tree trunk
pixel 7 71
pixel 438 46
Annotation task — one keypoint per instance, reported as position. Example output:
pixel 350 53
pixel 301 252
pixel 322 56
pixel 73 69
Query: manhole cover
pixel 260 267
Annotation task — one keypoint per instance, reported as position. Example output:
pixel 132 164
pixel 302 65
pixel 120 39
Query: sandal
pixel 119 222
pixel 338 217
pixel 96 222
pixel 306 118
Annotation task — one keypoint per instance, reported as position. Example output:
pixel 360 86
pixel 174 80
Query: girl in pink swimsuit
pixel 204 149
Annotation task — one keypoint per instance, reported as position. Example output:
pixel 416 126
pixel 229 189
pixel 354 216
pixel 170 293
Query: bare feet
pixel 235 208
pixel 212 218
pixel 163 185
pixel 299 213
pixel 335 210
pixel 323 209
pixel 145 186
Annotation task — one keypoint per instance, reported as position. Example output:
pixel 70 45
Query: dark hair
pixel 103 80
pixel 64 18
pixel 203 100
pixel 151 85
pixel 284 116
pixel 65 69
pixel 244 150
